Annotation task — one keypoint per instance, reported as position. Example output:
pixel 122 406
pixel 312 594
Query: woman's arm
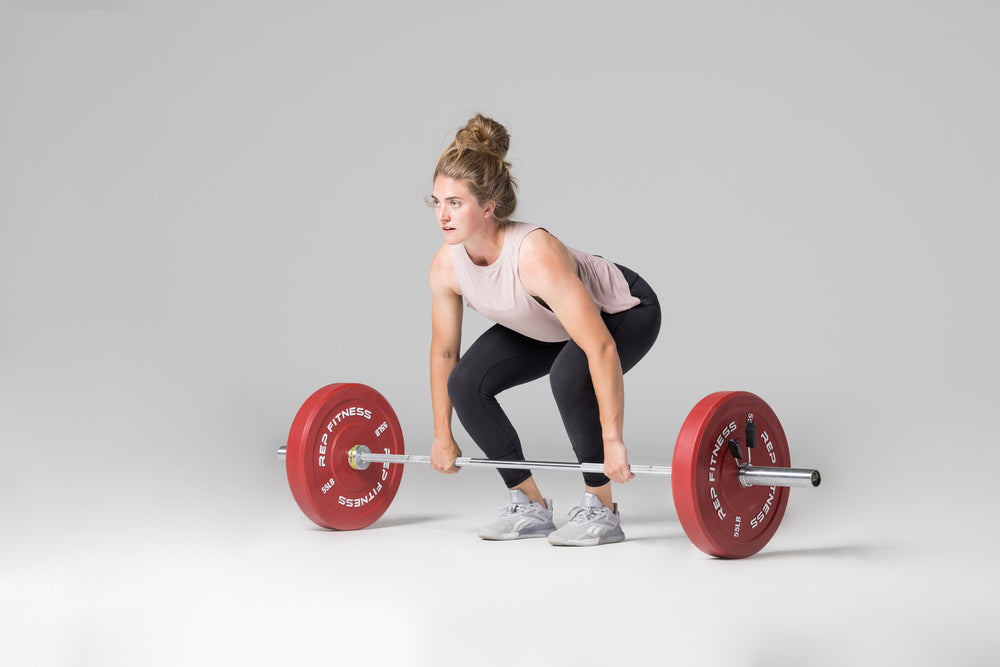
pixel 446 345
pixel 548 270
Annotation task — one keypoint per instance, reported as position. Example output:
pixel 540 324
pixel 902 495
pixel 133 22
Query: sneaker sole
pixel 609 538
pixel 539 531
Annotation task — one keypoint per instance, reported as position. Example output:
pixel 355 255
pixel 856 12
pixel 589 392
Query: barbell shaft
pixel 467 462
pixel 748 475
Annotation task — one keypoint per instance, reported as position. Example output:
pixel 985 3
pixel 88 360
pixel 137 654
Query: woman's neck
pixel 486 248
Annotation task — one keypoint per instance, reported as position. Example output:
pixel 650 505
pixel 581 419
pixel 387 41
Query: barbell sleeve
pixel 749 475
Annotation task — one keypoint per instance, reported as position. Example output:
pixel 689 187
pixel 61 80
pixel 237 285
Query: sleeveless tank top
pixel 495 291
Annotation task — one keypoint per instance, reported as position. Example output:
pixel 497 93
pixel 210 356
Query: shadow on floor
pixel 392 522
pixel 664 537
pixel 408 520
pixel 854 551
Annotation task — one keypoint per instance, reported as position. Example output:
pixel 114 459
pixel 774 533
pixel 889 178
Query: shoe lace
pixel 512 510
pixel 581 515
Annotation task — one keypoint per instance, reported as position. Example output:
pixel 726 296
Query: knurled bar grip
pixel 465 461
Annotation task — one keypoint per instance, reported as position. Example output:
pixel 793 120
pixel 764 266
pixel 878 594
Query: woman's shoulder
pixel 541 251
pixel 539 243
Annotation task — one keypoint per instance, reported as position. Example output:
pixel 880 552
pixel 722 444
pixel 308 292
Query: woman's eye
pixel 455 203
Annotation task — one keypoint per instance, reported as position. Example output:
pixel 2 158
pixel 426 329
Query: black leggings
pixel 502 358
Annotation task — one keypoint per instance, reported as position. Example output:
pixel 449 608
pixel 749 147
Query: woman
pixel 576 317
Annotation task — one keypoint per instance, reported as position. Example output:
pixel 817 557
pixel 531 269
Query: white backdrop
pixel 207 212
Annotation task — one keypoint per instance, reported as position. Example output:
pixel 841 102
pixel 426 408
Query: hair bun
pixel 485 135
pixel 477 158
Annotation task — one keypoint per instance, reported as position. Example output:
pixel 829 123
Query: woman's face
pixel 459 215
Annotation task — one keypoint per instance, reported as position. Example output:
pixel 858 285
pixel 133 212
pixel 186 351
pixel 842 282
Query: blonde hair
pixel 477 157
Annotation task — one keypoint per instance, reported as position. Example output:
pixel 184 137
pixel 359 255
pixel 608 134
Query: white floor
pixel 254 582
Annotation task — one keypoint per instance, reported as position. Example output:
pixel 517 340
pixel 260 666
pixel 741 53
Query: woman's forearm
pixel 441 367
pixel 609 385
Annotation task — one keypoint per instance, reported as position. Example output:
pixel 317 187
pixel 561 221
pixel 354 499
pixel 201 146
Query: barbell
pixel 730 470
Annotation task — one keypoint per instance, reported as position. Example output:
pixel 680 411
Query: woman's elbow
pixel 448 353
pixel 604 351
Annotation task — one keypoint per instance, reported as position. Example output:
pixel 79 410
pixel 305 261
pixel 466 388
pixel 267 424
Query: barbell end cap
pixel 816 478
pixel 355 458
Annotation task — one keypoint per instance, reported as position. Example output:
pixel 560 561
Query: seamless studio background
pixel 209 210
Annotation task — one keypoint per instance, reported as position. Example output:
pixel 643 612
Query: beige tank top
pixel 495 291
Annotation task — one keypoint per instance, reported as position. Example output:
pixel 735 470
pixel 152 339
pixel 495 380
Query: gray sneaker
pixel 522 518
pixel 589 524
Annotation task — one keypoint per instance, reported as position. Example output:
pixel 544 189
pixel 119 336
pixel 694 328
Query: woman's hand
pixel 616 462
pixel 444 451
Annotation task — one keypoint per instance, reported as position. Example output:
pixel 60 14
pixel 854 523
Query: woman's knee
pixel 463 386
pixel 570 380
